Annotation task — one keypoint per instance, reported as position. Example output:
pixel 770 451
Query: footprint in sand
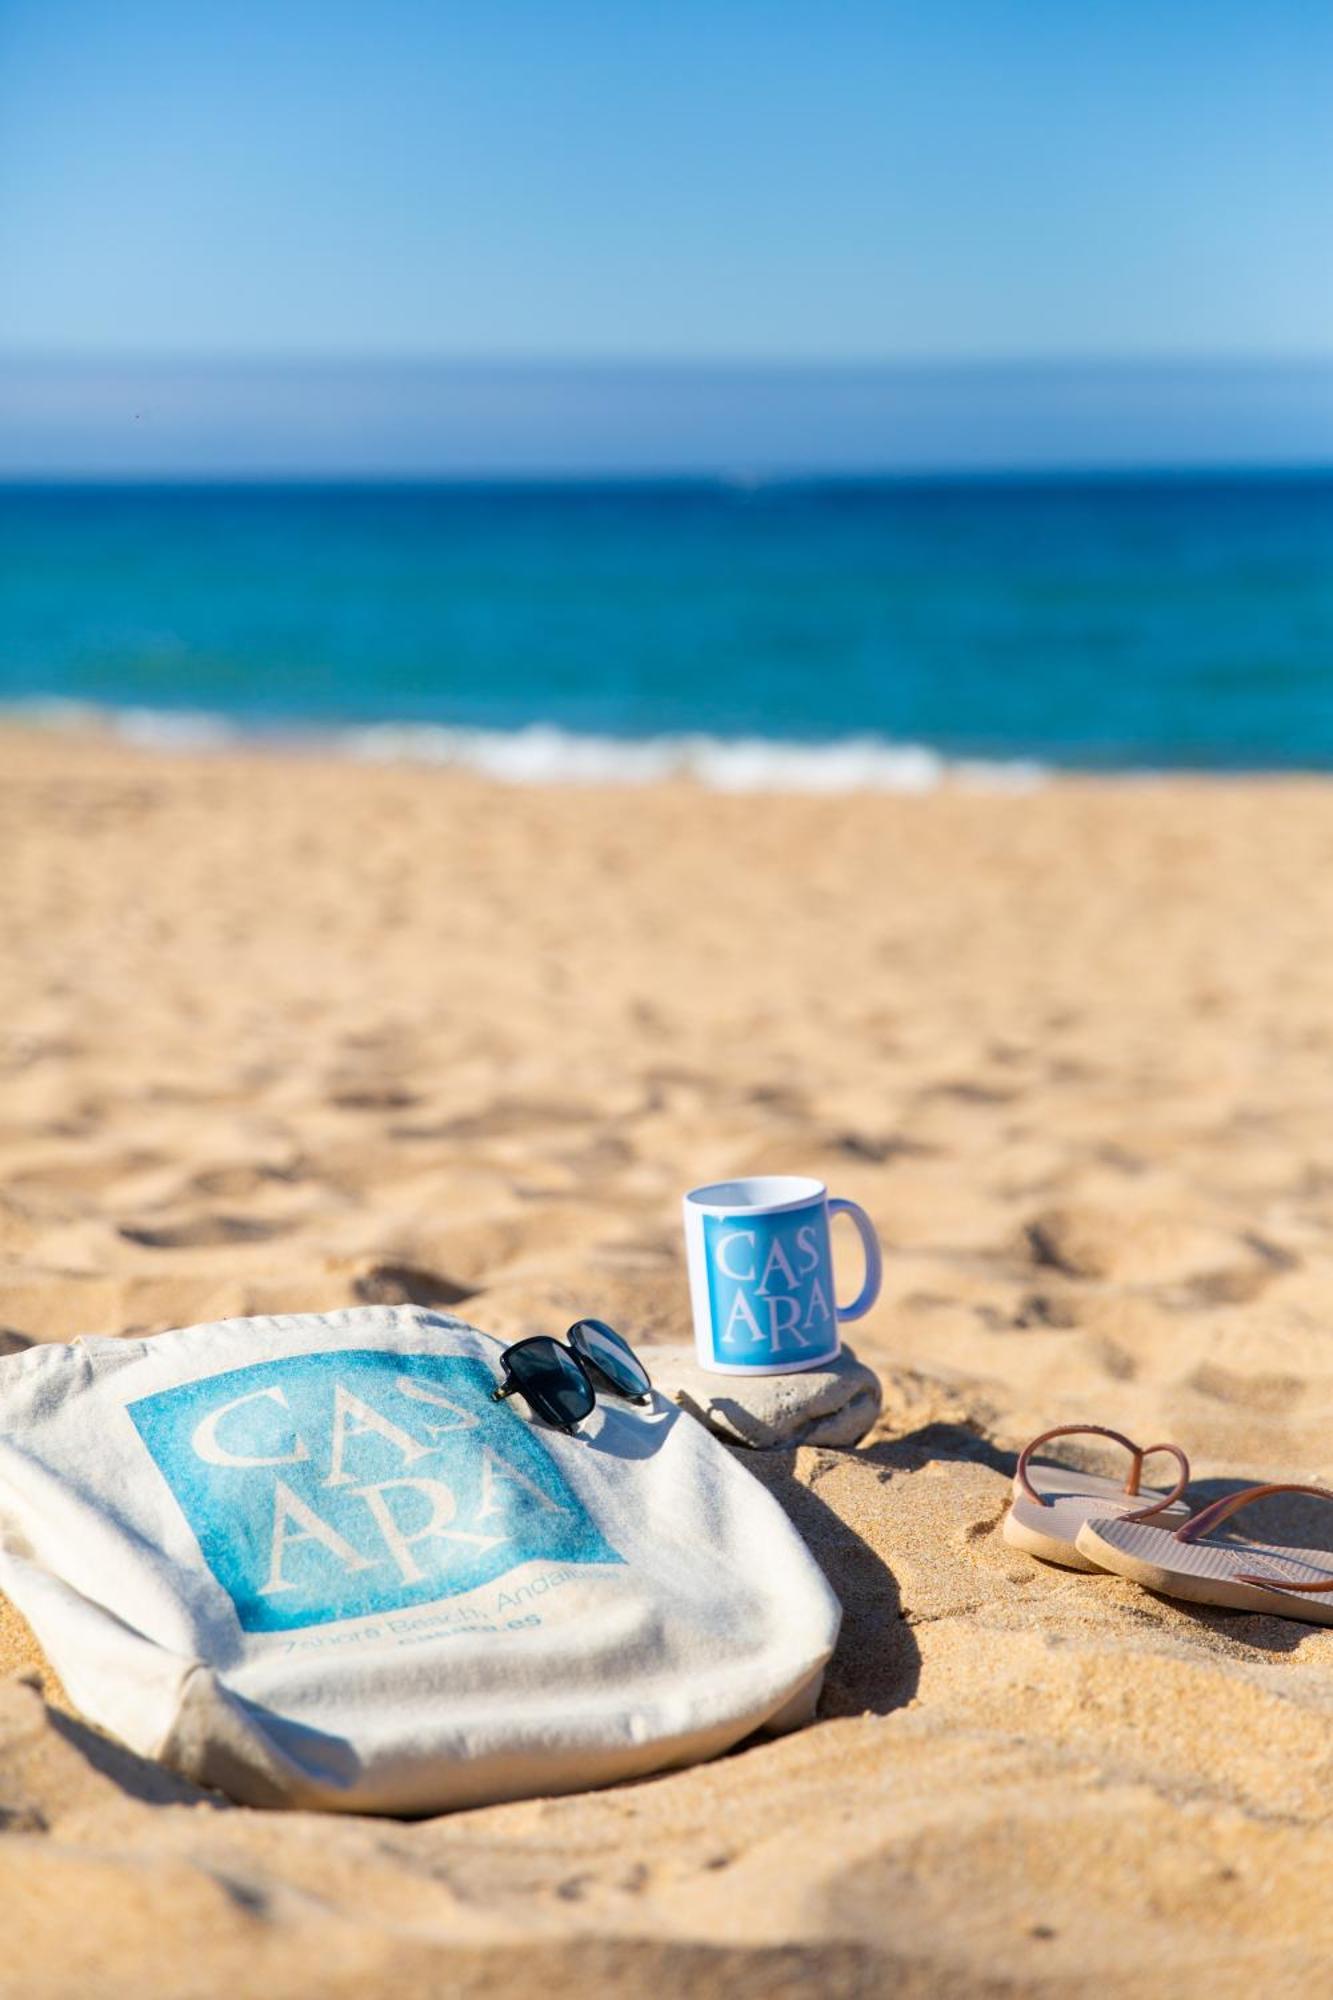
pixel 501 1120
pixel 876 1147
pixel 84 1173
pixel 202 1232
pixel 374 1097
pixel 1142 1246
pixel 968 1090
pixel 407 1285
pixel 237 1182
pixel 1272 1394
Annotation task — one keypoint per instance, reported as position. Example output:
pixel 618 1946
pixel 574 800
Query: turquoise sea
pixel 817 633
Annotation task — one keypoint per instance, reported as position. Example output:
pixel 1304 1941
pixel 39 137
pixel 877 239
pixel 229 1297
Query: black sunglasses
pixel 558 1381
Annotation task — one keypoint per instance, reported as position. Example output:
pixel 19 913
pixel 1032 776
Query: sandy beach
pixel 279 1033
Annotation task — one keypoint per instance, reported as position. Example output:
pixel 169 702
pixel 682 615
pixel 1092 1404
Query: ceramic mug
pixel 761 1273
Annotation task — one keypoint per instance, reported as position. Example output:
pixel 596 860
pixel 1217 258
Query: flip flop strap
pixel 1167 1499
pixel 1231 1503
pixel 1137 1454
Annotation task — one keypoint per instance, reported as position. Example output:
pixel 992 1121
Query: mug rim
pixel 704 1199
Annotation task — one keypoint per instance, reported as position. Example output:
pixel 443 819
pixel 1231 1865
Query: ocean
pixel 816 635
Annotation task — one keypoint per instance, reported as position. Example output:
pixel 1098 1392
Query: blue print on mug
pixel 770 1287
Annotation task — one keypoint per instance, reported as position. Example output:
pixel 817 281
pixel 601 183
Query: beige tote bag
pixel 308 1560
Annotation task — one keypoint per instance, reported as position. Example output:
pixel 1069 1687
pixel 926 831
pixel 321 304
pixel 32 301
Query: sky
pixel 702 184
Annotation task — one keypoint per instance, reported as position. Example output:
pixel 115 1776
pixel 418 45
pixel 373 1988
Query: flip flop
pixel 1047 1512
pixel 1242 1576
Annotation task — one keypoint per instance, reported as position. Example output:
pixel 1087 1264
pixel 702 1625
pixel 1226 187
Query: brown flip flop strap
pixel 1137 1454
pixel 1168 1499
pixel 1231 1503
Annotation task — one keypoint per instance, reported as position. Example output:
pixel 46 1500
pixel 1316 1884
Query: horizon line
pixel 1207 471
pixel 28 356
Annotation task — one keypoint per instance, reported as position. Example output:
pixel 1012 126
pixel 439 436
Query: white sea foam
pixel 542 754
pixel 145 728
pixel 168 729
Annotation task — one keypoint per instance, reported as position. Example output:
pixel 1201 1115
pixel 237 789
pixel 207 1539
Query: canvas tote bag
pixel 306 1559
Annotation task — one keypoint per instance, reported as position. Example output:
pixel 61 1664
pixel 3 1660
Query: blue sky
pixel 990 179
pixel 947 181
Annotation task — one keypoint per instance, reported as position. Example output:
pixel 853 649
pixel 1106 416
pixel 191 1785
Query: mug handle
pixel 869 1291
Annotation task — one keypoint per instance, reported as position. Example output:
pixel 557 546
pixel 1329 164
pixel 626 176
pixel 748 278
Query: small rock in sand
pixel 835 1405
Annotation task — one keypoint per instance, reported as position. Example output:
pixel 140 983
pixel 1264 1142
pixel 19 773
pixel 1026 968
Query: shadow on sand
pixel 877 1665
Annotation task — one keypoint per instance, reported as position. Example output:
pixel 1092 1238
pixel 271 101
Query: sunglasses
pixel 558 1379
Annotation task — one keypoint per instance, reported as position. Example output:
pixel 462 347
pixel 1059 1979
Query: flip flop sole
pixel 1049 1528
pixel 1067 1555
pixel 1209 1572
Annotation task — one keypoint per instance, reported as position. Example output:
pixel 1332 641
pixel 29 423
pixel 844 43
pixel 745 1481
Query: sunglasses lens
pixel 550 1380
pixel 603 1346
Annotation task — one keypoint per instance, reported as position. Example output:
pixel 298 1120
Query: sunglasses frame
pixel 587 1366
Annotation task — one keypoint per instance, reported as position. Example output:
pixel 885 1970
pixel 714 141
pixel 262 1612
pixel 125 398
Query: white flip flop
pixel 1052 1503
pixel 1241 1576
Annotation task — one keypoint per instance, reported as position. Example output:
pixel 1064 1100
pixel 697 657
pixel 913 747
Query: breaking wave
pixel 542 754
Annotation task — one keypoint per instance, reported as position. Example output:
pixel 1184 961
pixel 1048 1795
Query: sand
pixel 280 1033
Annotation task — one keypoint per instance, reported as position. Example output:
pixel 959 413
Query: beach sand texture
pixel 285 1034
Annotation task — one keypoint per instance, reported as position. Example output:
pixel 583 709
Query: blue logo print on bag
pixel 330 1486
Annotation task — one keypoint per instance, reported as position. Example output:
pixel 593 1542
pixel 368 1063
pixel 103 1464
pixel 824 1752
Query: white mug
pixel 761 1273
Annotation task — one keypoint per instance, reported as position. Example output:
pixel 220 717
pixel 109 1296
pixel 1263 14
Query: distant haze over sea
pixel 159 418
